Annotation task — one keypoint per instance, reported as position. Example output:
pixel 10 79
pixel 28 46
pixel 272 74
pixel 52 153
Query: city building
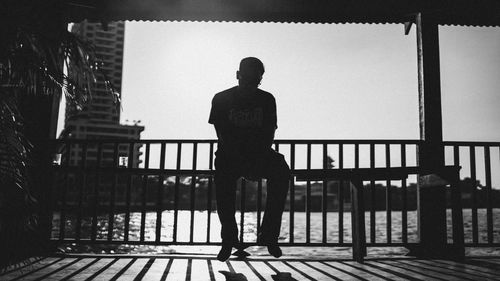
pixel 100 116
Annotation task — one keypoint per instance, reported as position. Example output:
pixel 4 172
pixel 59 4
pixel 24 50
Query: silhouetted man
pixel 245 120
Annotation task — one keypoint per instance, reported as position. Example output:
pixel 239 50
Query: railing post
pixel 457 216
pixel 358 221
pixel 431 197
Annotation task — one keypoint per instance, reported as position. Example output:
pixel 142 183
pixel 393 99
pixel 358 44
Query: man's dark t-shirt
pixel 249 119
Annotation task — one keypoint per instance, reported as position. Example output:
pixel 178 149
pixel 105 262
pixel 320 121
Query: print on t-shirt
pixel 247 118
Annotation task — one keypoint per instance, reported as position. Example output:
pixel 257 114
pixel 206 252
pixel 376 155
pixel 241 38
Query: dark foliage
pixel 35 50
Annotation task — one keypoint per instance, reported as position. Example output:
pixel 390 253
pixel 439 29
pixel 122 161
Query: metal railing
pixel 161 192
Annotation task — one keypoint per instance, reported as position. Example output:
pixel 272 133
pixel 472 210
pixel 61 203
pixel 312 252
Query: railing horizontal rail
pixel 468 143
pixel 188 243
pixel 302 174
pixel 278 141
pixel 138 171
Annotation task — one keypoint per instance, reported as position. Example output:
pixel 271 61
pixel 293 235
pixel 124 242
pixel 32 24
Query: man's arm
pixel 270 127
pixel 268 137
pixel 225 135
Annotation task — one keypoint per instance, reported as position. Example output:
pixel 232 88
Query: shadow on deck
pixel 179 267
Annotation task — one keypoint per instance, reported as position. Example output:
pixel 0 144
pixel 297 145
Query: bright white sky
pixel 330 81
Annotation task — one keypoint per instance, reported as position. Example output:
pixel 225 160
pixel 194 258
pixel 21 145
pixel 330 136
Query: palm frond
pixel 33 59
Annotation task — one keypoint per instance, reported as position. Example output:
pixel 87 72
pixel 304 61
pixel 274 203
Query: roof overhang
pixel 445 12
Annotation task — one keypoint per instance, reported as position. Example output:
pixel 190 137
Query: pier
pixel 132 192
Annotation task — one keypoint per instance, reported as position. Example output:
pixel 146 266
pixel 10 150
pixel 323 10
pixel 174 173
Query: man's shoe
pixel 274 250
pixel 224 253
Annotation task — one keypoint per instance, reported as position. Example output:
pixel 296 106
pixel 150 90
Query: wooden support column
pixel 40 113
pixel 431 195
pixel 39 128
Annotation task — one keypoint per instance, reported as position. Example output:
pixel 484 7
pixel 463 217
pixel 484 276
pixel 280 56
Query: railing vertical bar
pixel 489 206
pixel 277 147
pixel 475 229
pixel 455 195
pixel 341 196
pixel 388 197
pixel 209 191
pixel 292 193
pixel 356 155
pixel 372 196
pixel 192 192
pixel 83 174
pixel 356 165
pixel 259 205
pixel 456 155
pixel 65 186
pixel 144 193
pixel 159 200
pixel 93 231
pixel 111 216
pixel 176 191
pixel 404 196
pixel 128 192
pixel 308 198
pixel 324 208
pixel 242 209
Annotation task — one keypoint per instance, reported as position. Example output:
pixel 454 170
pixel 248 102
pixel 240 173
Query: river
pixel 250 229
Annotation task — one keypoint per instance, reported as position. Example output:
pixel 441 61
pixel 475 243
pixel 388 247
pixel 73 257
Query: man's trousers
pixel 271 166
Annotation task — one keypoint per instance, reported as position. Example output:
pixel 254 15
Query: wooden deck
pixel 179 267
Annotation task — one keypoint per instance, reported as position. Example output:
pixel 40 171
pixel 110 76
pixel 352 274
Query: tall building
pixel 100 117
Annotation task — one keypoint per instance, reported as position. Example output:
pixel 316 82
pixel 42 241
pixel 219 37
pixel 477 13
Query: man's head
pixel 250 73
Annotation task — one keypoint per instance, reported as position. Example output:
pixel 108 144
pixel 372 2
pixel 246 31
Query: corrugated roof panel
pixel 453 12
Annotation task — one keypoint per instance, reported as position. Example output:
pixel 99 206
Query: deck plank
pixel 70 270
pixel 177 270
pixel 243 268
pixel 416 270
pixel 428 270
pixel 481 269
pixel 201 268
pixel 32 267
pixel 134 270
pixel 45 272
pixel 217 268
pixel 281 268
pixel 114 270
pixel 156 269
pixel 101 264
pixel 363 275
pixel 459 268
pixel 265 271
pixel 491 261
pixel 330 271
pixel 405 273
pixel 373 271
pixel 26 264
pixel 303 268
pixel 448 273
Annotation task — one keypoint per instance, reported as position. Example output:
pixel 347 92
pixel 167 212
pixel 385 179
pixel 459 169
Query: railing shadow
pixel 103 267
